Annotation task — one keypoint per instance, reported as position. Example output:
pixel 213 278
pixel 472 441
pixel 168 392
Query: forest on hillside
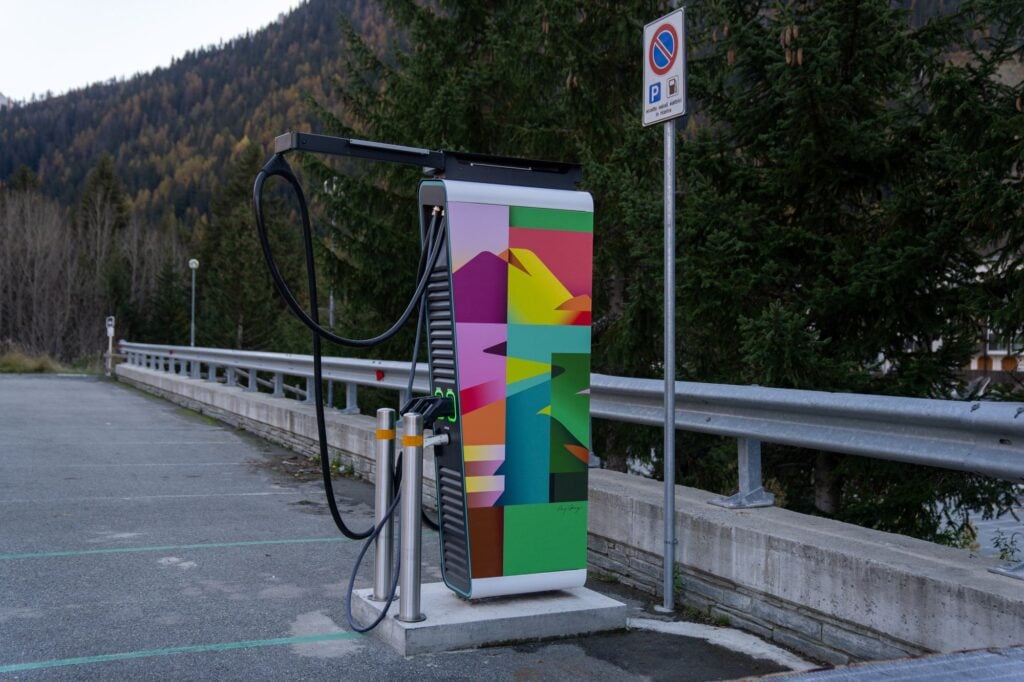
pixel 128 179
pixel 172 132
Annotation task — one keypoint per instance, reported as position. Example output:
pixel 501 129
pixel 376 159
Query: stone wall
pixel 830 590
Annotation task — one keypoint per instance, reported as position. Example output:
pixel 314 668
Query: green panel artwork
pixel 562 545
pixel 549 219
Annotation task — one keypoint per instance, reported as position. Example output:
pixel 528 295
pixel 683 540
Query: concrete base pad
pixel 453 623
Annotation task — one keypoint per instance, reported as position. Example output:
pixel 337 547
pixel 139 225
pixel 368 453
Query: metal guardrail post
pixel 251 383
pixel 751 493
pixel 384 495
pixel 230 377
pixel 278 384
pixel 196 368
pixel 211 374
pixel 351 398
pixel 412 498
pixel 310 391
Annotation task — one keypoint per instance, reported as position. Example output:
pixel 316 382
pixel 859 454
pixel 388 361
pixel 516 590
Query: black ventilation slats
pixel 451 493
pixel 453 520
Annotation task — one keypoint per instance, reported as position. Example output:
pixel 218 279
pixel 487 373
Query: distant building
pixel 999 354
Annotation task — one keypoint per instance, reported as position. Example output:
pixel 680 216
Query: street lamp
pixel 193 265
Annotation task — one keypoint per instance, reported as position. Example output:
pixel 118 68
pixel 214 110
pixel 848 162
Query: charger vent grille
pixel 441 331
pixel 453 524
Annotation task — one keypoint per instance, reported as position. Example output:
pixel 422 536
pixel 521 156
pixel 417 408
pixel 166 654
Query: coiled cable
pixel 432 244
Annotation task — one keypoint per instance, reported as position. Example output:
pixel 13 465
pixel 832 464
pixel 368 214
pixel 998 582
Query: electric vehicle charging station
pixel 504 287
pixel 508 329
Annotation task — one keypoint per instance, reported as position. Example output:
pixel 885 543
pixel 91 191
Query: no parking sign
pixel 665 68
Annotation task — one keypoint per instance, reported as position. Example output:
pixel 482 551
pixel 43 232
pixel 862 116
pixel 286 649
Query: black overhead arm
pixel 504 170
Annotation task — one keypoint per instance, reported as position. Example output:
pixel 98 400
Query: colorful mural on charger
pixel 522 298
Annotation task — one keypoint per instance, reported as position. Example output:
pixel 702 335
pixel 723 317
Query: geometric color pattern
pixel 521 292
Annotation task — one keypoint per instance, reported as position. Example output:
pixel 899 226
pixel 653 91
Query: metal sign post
pixel 664 100
pixel 110 344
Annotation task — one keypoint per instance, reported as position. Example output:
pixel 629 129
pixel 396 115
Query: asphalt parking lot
pixel 140 540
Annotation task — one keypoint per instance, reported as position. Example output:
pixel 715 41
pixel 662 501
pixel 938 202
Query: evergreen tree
pixel 102 215
pixel 24 180
pixel 845 182
pixel 237 306
pixel 462 85
pixel 104 202
pixel 845 176
pixel 169 316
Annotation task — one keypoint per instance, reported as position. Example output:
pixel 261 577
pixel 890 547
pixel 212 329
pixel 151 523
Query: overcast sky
pixel 58 45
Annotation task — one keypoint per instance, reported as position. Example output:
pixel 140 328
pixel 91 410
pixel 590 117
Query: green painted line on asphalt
pixel 165 548
pixel 197 648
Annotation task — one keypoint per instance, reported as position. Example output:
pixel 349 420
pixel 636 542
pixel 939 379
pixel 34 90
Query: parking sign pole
pixel 670 365
pixel 664 100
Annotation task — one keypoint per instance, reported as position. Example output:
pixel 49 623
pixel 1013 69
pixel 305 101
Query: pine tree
pixel 836 223
pixel 237 306
pixel 463 84
pixel 825 173
pixel 24 180
pixel 168 321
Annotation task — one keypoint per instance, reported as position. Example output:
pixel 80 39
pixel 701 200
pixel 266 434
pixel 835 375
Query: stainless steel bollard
pixel 412 498
pixel 384 496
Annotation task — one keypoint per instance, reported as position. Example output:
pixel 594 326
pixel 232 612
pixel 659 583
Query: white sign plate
pixel 664 95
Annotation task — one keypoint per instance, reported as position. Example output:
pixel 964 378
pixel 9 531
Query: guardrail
pixel 972 436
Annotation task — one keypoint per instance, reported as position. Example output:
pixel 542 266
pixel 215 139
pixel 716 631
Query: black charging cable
pixel 356 627
pixel 278 166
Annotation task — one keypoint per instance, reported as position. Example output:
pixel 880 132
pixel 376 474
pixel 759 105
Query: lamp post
pixel 193 265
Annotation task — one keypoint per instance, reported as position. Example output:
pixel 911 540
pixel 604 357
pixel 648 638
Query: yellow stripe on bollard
pixel 385 434
pixel 412 441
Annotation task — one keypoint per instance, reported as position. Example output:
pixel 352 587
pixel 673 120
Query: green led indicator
pixel 455 405
pixel 455 402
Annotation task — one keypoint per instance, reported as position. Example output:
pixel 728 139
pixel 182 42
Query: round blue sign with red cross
pixel 664 49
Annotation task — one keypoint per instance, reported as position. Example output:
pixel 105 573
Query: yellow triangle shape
pixel 546 410
pixel 517 369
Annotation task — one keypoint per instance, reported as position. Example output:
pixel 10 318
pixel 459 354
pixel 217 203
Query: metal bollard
pixel 412 498
pixel 384 496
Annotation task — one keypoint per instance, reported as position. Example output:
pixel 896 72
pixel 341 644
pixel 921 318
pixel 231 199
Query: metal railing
pixel 972 436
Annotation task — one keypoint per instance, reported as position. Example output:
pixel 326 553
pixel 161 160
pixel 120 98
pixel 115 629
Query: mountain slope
pixel 172 131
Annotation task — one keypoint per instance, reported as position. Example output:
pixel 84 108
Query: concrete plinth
pixel 453 623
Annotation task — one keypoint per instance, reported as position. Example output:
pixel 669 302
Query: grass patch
pixel 16 362
pixel 205 418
